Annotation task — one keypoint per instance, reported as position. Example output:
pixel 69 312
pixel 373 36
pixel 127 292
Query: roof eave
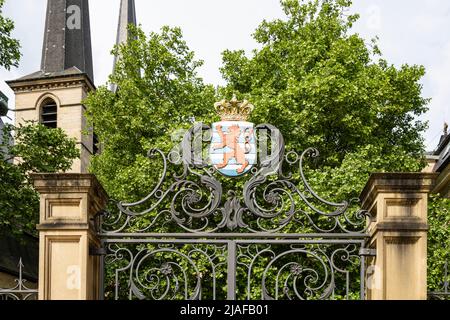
pixel 33 81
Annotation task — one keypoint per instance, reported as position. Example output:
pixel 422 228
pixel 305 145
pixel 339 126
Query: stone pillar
pixel 398 235
pixel 68 205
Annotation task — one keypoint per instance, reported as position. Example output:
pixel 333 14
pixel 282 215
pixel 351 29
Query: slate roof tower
pixel 67 37
pixel 127 16
pixel 53 95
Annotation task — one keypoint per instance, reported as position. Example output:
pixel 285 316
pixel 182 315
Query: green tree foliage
pixel 325 87
pixel 322 86
pixel 438 241
pixel 9 47
pixel 39 149
pixel 314 79
pixel 159 93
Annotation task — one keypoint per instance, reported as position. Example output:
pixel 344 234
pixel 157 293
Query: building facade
pixel 442 165
pixel 54 94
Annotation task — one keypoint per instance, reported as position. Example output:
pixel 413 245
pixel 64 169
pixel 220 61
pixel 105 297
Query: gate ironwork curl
pixel 20 291
pixel 192 238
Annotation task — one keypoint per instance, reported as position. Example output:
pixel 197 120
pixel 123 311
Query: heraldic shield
pixel 233 146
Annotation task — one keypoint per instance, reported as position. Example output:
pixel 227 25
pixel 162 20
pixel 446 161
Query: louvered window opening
pixel 49 116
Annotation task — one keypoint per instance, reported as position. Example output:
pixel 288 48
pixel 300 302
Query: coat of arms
pixel 233 146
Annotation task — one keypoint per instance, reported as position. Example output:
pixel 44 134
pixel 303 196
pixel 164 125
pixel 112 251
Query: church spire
pixel 127 16
pixel 67 37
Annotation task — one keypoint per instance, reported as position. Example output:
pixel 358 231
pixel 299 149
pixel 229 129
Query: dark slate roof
pixel 443 142
pixel 65 45
pixel 41 74
pixel 443 151
pixel 12 249
pixel 127 16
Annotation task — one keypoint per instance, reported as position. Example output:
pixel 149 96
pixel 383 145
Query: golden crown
pixel 234 110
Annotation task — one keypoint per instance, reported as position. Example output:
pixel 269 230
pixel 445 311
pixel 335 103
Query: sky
pixel 409 31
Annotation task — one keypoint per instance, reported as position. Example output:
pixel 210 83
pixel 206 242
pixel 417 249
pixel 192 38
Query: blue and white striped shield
pixel 233 147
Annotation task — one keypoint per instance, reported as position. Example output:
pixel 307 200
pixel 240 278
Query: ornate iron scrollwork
pixel 269 201
pixel 193 236
pixel 166 271
pixel 193 269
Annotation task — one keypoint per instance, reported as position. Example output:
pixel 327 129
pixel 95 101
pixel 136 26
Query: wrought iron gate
pixel 20 291
pixel 275 239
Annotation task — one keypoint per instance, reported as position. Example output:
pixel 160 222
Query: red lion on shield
pixel 231 140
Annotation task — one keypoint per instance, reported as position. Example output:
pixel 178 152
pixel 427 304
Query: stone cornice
pixel 398 227
pixel 395 182
pixel 48 83
pixel 68 183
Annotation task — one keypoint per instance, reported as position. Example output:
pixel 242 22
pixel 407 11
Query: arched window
pixel 49 113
